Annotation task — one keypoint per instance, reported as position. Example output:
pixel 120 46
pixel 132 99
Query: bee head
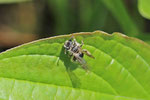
pixel 68 44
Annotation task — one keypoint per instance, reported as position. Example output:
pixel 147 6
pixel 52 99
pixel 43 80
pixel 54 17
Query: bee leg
pixel 88 53
pixel 82 43
pixel 70 55
pixel 74 58
pixel 74 40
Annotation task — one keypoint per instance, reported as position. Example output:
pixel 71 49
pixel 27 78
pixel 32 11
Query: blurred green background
pixel 22 21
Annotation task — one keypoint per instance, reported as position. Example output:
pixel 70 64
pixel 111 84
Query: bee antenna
pixel 72 37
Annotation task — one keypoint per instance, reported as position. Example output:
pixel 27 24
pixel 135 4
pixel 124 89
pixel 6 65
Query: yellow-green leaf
pixel 41 71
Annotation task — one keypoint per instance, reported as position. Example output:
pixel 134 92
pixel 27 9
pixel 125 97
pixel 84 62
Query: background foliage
pixel 26 20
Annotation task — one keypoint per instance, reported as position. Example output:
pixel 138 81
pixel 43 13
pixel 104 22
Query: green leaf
pixel 144 8
pixel 121 14
pixel 145 37
pixel 12 1
pixel 41 71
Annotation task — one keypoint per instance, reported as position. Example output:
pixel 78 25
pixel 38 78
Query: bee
pixel 74 49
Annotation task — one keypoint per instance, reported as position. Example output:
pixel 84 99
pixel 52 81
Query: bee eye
pixel 68 43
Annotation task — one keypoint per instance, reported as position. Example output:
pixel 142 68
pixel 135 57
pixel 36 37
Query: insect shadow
pixel 70 66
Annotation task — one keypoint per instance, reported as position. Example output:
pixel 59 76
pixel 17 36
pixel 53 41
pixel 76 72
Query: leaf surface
pixel 144 8
pixel 41 71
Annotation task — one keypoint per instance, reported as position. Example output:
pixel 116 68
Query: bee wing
pixel 81 61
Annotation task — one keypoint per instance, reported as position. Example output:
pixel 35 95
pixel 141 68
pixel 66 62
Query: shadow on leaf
pixel 70 66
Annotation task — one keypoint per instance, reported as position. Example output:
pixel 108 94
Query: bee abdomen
pixel 81 55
